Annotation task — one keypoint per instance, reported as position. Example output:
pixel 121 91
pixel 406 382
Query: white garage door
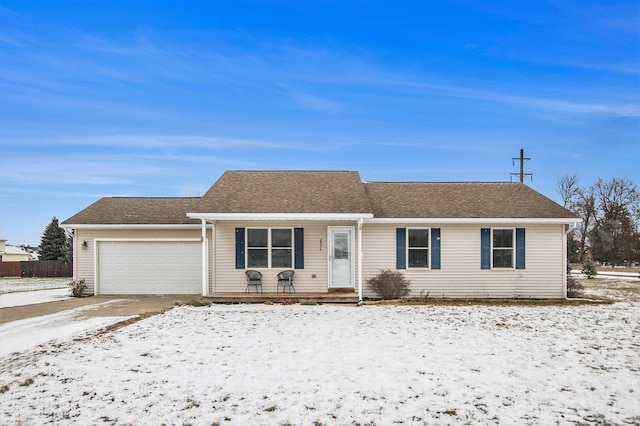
pixel 149 267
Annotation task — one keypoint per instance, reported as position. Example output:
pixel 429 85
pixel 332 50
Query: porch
pixel 242 297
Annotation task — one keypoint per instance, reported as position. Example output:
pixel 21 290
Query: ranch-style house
pixel 334 231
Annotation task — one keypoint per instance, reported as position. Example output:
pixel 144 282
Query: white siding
pixel 460 275
pixel 313 278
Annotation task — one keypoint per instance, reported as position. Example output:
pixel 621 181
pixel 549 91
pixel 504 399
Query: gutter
pixel 280 216
pixel 472 220
pixel 360 222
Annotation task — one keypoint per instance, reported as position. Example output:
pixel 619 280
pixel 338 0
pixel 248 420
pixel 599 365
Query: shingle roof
pixel 460 200
pixel 328 192
pixel 286 192
pixel 136 211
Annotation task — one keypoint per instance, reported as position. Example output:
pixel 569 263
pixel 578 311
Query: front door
pixel 341 257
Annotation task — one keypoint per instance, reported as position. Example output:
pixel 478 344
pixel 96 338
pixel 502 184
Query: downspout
pixel 567 228
pixel 360 222
pixel 205 264
pixel 74 254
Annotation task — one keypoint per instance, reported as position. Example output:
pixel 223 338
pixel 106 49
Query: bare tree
pixel 585 208
pixel 567 188
pixel 614 236
pixel 615 194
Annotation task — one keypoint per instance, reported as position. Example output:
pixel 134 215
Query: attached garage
pixel 149 267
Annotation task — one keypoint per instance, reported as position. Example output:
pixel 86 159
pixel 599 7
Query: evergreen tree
pixel 53 241
pixel 67 250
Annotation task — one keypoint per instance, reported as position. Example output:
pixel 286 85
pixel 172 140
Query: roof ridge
pixel 153 197
pixel 292 171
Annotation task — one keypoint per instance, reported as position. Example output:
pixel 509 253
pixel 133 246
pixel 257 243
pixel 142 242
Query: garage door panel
pixel 149 267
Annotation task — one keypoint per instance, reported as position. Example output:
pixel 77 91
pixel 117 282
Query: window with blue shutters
pixel 418 248
pixel 280 248
pixel 502 248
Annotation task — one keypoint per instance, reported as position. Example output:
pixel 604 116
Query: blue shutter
pixel 401 251
pixel 298 242
pixel 435 248
pixel 485 248
pixel 520 252
pixel 239 248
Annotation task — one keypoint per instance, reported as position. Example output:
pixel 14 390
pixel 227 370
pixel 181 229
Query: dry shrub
pixel 77 287
pixel 388 284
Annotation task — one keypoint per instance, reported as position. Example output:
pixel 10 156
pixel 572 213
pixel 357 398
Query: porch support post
pixel 360 221
pixel 205 263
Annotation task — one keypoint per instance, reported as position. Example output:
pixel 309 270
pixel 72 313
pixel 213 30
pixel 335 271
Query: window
pixel 281 248
pixel 503 248
pixel 269 248
pixel 418 248
pixel 257 248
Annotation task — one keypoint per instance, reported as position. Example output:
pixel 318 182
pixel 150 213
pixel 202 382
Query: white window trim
pixel 269 247
pixel 428 249
pixel 513 250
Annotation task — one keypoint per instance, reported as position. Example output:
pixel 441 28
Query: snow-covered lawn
pixel 31 291
pixel 304 365
pixel 23 298
pixel 14 285
pixel 613 289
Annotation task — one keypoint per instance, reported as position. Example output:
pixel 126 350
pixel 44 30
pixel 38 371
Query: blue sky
pixel 158 98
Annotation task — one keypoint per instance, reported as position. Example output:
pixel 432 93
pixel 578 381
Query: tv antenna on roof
pixel 522 174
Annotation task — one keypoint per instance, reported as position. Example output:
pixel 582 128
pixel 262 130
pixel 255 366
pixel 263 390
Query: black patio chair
pixel 254 278
pixel 285 279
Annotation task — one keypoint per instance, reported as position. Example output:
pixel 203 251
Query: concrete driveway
pixel 120 306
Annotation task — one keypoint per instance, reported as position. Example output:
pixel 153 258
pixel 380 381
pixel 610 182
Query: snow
pixel 24 334
pixel 24 298
pixel 258 364
pixel 13 285
pixel 31 291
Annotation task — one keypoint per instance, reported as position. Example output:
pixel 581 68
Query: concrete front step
pixel 282 297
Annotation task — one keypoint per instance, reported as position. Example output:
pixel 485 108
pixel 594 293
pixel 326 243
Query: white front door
pixel 341 257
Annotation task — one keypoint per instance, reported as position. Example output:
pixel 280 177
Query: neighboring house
pixel 12 253
pixel 452 240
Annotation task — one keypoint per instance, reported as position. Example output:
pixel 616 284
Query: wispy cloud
pixel 526 101
pixel 203 144
pixel 309 101
pixel 56 170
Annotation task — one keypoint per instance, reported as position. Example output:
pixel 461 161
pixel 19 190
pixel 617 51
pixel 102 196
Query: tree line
pixel 610 213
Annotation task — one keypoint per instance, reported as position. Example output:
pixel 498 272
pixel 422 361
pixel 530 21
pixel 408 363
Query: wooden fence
pixel 41 268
